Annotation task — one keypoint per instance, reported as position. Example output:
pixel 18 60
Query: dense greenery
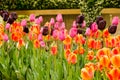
pixel 51 4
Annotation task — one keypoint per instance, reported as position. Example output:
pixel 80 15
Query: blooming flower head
pixel 72 58
pixel 54 50
pixel 32 17
pixel 73 32
pixel 88 32
pixel 94 27
pixel 52 21
pixel 23 23
pixel 68 40
pixel 59 18
pixel 61 35
pixel 115 20
pixel 87 73
pixel 7 26
pixel 114 74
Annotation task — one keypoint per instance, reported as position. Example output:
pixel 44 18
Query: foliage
pixel 91 9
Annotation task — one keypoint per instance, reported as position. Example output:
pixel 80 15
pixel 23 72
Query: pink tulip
pixel 42 43
pixel 62 26
pixel 37 21
pixel 115 20
pixel 55 34
pixel 23 23
pixel 40 37
pixel 94 27
pixel 52 21
pixel 88 31
pixel 5 37
pixel 73 32
pixel 7 26
pixel 41 19
pixel 32 17
pixel 59 18
pixel 61 35
pixel 56 26
pixel 74 24
pixel 83 24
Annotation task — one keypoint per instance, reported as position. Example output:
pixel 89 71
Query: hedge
pixel 50 4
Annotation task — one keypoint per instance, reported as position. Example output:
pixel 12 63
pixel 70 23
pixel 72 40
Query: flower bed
pixel 29 50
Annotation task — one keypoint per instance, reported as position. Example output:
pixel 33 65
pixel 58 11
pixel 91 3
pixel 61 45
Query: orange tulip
pixel 98 44
pixel 114 74
pixel 115 60
pixel 67 46
pixel 68 40
pixel 16 36
pixel 67 53
pixel 87 73
pixel 20 43
pixel 104 61
pixel 54 50
pixel 98 34
pixel 106 33
pixel 91 43
pixel 36 43
pixel 81 50
pixel 72 58
pixel 115 51
pixel 79 39
pixel 90 55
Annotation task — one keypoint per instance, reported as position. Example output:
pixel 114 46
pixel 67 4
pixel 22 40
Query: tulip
pixel 23 22
pixel 73 32
pixel 94 27
pixel 42 43
pixel 32 17
pixel 80 19
pixel 59 18
pixel 74 25
pixel 40 19
pixel 52 21
pixel 26 30
pixel 112 29
pixel 114 74
pixel 62 35
pixel 98 18
pixel 7 26
pixel 72 58
pixel 88 32
pixel 115 59
pixel 45 31
pixel 5 16
pixel 101 24
pixel 115 21
pixel 55 34
pixel 5 37
pixel 10 20
pixel 54 50
pixel 14 15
